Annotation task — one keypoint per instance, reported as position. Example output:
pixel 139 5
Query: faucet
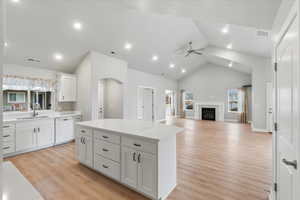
pixel 35 113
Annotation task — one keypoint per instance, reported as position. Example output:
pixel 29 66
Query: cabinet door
pixel 25 138
pixel 88 143
pixel 64 130
pixel 147 174
pixel 129 167
pixel 67 89
pixel 80 149
pixel 45 134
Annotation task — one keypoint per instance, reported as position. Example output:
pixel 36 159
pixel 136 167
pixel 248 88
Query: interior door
pixel 287 85
pixel 269 107
pixel 147 174
pixel 101 99
pixel 148 114
pixel 129 167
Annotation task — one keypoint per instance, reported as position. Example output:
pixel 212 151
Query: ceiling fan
pixel 187 50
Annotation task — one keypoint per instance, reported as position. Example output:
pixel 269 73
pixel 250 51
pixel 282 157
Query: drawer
pixel 8 147
pixel 8 126
pixel 139 144
pixel 9 135
pixel 107 150
pixel 107 167
pixel 84 131
pixel 107 136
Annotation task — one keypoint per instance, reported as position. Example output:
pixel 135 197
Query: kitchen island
pixel 138 154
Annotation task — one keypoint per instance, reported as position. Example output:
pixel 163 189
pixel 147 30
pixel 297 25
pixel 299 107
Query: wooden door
pixel 287 112
pixel 147 174
pixel 129 167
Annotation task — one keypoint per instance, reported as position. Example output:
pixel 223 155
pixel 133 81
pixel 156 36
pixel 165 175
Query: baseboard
pixel 260 130
pixel 271 196
pixel 161 120
pixel 231 120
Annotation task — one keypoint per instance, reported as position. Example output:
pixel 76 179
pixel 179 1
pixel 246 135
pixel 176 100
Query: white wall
pixel 160 84
pixel 113 99
pixel 261 68
pixel 211 82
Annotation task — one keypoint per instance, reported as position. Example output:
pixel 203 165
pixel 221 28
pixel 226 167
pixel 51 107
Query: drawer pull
pixel 6 135
pixel 82 131
pixel 104 166
pixel 4 148
pixel 105 137
pixel 65 119
pixel 6 126
pixel 137 145
pixel 106 150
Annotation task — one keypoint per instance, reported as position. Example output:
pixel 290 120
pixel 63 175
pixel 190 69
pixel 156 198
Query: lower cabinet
pixel 84 146
pixel 139 171
pixel 34 134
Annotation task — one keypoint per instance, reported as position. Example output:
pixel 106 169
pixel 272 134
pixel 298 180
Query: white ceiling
pixel 38 29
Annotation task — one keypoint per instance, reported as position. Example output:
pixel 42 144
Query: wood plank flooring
pixel 216 161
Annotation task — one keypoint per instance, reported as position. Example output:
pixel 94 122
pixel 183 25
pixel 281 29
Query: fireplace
pixel 208 114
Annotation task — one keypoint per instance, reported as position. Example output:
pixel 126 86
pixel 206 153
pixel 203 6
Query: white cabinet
pixel 34 134
pixel 67 88
pixel 64 130
pixel 84 146
pixel 8 138
pixel 147 173
pixel 129 167
pixel 139 171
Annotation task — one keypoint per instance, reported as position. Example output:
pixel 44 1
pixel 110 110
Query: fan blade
pixel 189 52
pixel 199 53
pixel 201 49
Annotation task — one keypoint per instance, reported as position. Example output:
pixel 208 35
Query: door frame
pixel 139 116
pixel 293 14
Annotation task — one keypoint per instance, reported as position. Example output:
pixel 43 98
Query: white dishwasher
pixel 64 129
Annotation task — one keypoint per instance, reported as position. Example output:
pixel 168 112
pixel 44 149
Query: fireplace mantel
pixel 217 105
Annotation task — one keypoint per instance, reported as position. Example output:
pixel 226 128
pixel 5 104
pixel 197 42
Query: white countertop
pixel 15 185
pixel 11 118
pixel 145 129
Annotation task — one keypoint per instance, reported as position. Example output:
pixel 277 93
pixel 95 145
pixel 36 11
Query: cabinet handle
pixel 106 150
pixel 84 140
pixel 82 131
pixel 104 166
pixel 65 119
pixel 38 129
pixel 81 140
pixel 4 148
pixel 137 145
pixel 34 130
pixel 6 126
pixel 290 163
pixel 105 137
pixel 134 157
pixel 139 158
pixel 6 135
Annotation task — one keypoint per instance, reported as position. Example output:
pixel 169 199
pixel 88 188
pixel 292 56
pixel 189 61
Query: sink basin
pixel 30 118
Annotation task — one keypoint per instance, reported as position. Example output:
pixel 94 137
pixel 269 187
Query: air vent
pixel 262 33
pixel 33 60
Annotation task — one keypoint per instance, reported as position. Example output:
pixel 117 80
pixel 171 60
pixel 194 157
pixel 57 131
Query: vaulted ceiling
pixel 38 29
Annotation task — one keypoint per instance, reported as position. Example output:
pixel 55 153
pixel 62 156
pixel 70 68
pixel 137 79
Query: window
pixel 21 100
pixel 234 100
pixel 188 101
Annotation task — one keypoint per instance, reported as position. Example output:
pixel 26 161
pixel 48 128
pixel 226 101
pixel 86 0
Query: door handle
pixel 290 163
pixel 134 159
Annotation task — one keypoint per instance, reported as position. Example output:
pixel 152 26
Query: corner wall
pixel 210 83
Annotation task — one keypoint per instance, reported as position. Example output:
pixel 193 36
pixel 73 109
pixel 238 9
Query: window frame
pixel 9 101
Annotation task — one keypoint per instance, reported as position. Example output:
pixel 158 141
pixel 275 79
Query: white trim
pixel 260 130
pixel 271 195
pixel 231 120
pixel 161 120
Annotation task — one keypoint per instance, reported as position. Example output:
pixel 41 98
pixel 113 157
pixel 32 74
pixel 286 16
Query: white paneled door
pixel 288 101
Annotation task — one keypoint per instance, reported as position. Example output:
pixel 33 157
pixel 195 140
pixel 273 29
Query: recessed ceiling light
pixel 15 1
pixel 58 56
pixel 225 30
pixel 128 46
pixel 154 58
pixel 229 46
pixel 5 44
pixel 183 71
pixel 230 64
pixel 77 26
pixel 172 65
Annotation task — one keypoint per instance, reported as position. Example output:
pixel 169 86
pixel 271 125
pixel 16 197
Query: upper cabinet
pixel 67 88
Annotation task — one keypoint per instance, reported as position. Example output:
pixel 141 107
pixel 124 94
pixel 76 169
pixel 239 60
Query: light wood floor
pixel 216 161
